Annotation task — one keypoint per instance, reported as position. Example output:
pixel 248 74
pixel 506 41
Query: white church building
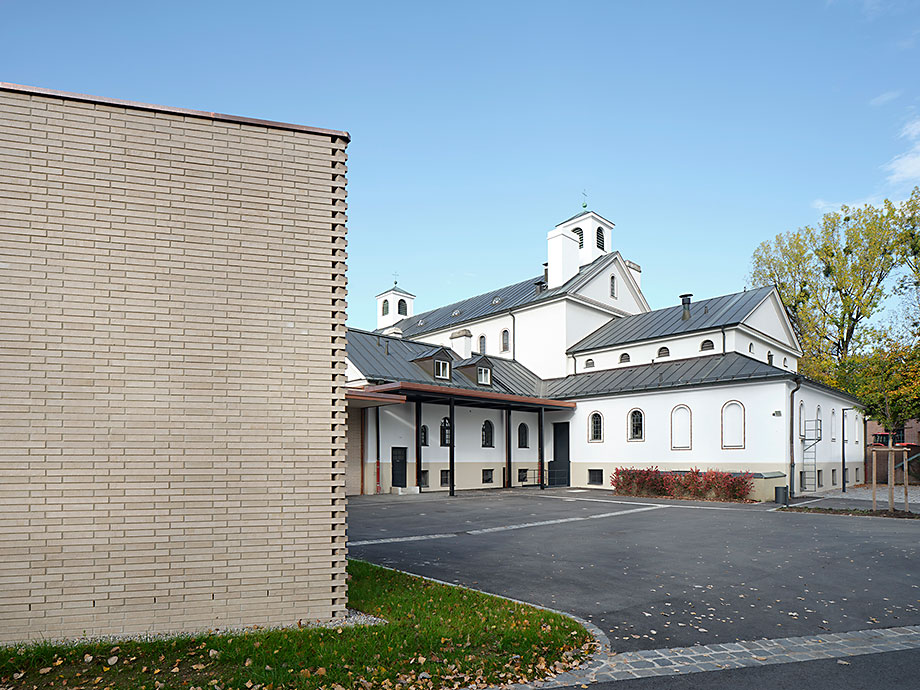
pixel 559 379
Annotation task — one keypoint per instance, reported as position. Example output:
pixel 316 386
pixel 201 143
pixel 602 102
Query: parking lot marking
pixel 560 521
pixel 393 540
pixel 637 503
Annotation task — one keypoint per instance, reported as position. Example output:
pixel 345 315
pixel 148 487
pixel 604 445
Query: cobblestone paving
pixel 608 666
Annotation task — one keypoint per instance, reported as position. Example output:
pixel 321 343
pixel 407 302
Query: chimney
pixel 461 342
pixel 685 300
pixel 393 331
pixel 562 251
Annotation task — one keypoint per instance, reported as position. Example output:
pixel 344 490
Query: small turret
pixel 394 305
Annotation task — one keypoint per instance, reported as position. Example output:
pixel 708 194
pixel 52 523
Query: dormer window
pixel 600 238
pixel 707 345
pixel 484 376
pixel 455 312
pixel 441 369
pixel 496 300
pixel 421 322
pixel 664 352
pixel 581 237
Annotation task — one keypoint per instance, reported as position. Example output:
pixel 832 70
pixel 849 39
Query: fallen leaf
pixel 87 658
pixel 842 662
pixel 112 660
pixel 45 670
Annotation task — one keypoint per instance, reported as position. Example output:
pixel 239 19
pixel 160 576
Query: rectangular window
pixel 424 480
pixel 522 476
pixel 487 476
pixel 833 477
pixel 857 475
pixel 441 369
pixel 596 477
pixel 820 477
pixel 846 475
pixel 801 481
pixel 484 376
pixel 445 477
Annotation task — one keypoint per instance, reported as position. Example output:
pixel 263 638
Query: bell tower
pixel 394 305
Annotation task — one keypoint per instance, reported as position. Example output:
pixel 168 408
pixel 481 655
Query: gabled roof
pixel 586 213
pixel 711 369
pixel 497 301
pixel 382 358
pixel 397 290
pixel 470 361
pixel 727 310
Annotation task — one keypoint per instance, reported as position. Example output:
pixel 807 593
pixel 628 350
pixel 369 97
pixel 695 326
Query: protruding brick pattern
pixel 172 339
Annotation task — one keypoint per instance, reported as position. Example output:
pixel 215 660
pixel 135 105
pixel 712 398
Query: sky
pixel 700 128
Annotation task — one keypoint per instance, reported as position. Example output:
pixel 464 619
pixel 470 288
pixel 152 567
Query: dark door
pixel 559 465
pixel 398 464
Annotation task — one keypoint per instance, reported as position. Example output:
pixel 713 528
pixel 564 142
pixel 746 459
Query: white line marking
pixel 391 540
pixel 637 503
pixel 560 521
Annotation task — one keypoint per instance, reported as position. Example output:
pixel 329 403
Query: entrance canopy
pixel 428 393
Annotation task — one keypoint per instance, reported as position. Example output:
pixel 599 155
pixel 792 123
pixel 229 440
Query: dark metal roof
pixel 585 213
pixel 385 358
pixel 398 290
pixel 727 310
pixel 497 301
pixel 712 369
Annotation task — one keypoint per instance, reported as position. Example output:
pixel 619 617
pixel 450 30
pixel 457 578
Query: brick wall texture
pixel 172 299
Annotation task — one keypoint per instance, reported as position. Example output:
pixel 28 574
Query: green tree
pixel 834 277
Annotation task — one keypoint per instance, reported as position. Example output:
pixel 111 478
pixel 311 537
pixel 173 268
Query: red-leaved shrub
pixel 712 484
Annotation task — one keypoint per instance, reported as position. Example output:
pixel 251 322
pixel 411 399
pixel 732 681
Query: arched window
pixel 402 308
pixel 523 436
pixel 482 344
pixel 681 428
pixel 423 434
pixel 600 238
pixel 733 424
pixel 707 345
pixel 595 427
pixel 581 237
pixel 624 358
pixel 751 348
pixel 506 340
pixel 664 352
pixel 802 419
pixel 385 308
pixel 636 430
pixel 818 429
pixel 589 364
pixel 488 434
pixel 786 362
pixel 833 425
pixel 769 358
pixel 445 432
pixel 613 286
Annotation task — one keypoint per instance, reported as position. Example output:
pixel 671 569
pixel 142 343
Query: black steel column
pixel 508 448
pixel 418 445
pixel 453 437
pixel 540 441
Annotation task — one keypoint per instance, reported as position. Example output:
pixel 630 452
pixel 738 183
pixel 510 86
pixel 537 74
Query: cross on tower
pixel 395 278
pixel 584 204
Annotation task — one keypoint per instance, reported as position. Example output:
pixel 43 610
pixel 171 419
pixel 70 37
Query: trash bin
pixel 781 495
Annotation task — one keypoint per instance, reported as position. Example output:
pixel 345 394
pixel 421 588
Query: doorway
pixel 559 466
pixel 398 467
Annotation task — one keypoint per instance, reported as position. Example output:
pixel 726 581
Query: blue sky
pixel 699 128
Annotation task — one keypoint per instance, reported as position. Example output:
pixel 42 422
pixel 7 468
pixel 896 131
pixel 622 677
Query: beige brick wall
pixel 172 298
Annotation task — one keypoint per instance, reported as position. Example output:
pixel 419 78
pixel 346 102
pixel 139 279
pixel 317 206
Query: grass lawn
pixel 854 511
pixel 437 636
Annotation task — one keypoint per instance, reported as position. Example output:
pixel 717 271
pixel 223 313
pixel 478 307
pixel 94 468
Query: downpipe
pixel 798 384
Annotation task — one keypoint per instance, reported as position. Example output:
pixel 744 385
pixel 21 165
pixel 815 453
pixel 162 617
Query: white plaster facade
pixel 594 286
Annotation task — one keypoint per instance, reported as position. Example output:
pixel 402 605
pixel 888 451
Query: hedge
pixel 712 484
